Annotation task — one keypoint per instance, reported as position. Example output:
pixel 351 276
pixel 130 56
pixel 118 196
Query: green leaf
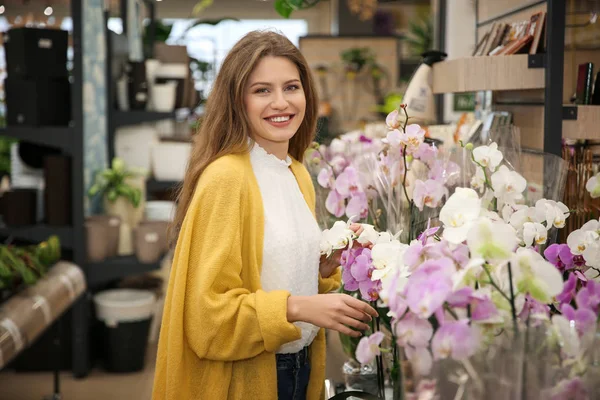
pixel 283 8
pixel 201 6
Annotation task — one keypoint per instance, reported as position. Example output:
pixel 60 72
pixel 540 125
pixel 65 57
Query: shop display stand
pixel 70 141
pixel 546 115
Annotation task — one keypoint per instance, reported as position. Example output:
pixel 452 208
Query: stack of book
pixel 513 38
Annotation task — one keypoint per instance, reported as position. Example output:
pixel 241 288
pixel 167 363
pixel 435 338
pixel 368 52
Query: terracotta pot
pixel 147 247
pixel 97 241
pixel 113 227
pixel 161 228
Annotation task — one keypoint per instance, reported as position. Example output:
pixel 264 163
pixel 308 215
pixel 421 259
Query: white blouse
pixel 291 237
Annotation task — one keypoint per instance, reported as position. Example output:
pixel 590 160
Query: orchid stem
pixel 512 299
pixel 495 285
pixel 451 312
pixel 378 359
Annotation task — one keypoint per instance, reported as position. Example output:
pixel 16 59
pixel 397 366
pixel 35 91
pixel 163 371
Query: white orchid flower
pixel 492 241
pixel 508 185
pixel 555 213
pixel 368 235
pixel 338 237
pixel 387 258
pixel 338 146
pixel 593 186
pixel 488 156
pixel 534 232
pixel 534 275
pixel 580 239
pixel 478 180
pixel 525 214
pixel 459 213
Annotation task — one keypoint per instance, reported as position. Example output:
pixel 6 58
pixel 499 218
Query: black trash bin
pixel 126 315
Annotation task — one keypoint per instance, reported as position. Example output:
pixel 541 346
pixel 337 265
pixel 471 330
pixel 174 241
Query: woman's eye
pixel 292 87
pixel 262 90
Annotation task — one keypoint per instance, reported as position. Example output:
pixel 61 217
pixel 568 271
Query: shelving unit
pixel 124 118
pixel 581 122
pixel 541 116
pixel 39 233
pixel 70 140
pixel 116 268
pixel 516 72
pixel 57 137
pixel 152 185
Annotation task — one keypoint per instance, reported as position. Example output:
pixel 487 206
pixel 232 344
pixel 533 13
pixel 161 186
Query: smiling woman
pixel 243 317
pixel 275 103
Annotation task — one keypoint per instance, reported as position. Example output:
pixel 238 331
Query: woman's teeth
pixel 280 119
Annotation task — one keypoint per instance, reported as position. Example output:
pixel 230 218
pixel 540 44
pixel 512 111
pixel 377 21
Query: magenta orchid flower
pixel 455 339
pixel 428 193
pixel 426 153
pixel 335 203
pixel 412 138
pixel 368 348
pixel 346 183
pixel 358 206
pixel 569 290
pixel 584 318
pixel 589 296
pixel 326 179
pixel 413 331
pixel 429 286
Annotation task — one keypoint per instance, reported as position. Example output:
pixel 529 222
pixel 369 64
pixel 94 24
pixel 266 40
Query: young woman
pixel 243 313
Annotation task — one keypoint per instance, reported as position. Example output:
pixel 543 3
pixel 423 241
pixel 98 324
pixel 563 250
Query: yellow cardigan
pixel 219 329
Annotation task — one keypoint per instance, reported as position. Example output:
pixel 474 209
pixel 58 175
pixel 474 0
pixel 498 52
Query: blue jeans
pixel 293 371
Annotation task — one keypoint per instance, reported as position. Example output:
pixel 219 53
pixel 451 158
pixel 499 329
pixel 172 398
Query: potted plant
pixel 122 190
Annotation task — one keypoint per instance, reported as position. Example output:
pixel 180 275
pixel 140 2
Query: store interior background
pixel 159 142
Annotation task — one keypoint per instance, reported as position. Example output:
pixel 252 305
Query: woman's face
pixel 275 103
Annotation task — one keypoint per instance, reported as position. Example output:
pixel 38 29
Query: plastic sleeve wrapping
pixel 30 312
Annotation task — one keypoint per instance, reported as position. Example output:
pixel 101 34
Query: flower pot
pixel 147 247
pixel 360 378
pixel 161 228
pixel 96 240
pixel 113 226
pixel 130 216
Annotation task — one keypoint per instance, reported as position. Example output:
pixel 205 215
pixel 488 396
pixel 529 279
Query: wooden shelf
pixel 152 185
pixel 39 233
pixel 116 268
pixel 581 122
pixel 487 73
pixel 51 136
pixel 125 118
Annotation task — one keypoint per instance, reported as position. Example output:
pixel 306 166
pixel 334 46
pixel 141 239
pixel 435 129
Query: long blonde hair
pixel 225 126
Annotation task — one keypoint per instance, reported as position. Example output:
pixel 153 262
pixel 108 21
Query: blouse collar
pixel 270 159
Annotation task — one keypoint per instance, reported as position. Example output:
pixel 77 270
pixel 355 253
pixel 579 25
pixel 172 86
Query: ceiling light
pixel 48 11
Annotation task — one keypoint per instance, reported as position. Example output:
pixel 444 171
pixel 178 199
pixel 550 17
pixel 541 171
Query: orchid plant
pixel 488 269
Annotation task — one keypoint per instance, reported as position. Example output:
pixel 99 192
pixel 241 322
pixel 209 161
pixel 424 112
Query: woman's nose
pixel 279 101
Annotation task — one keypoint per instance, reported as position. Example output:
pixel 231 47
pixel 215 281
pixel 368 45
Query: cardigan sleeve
pixel 224 321
pixel 332 283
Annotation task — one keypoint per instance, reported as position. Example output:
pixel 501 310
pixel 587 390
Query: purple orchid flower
pixel 584 318
pixel 368 348
pixel 569 290
pixel 455 339
pixel 589 296
pixel 560 256
pixel 429 286
pixel 533 307
pixel 413 331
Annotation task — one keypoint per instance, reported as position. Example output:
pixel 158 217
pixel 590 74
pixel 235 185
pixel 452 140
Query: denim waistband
pixel 291 360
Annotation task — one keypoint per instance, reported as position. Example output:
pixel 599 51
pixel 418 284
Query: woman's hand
pixel 339 312
pixel 328 265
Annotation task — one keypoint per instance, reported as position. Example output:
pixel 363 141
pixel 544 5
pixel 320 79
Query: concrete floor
pixel 99 385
